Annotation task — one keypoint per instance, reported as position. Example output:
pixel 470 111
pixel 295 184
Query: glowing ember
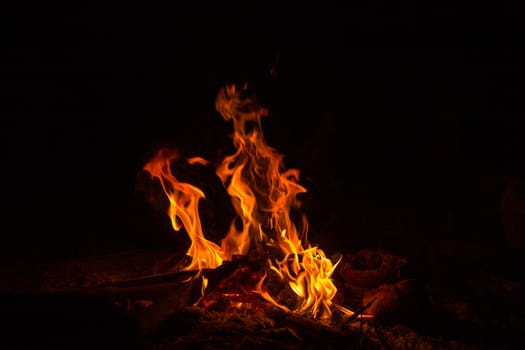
pixel 263 194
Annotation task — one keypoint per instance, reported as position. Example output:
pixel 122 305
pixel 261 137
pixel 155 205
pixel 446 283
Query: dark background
pixel 405 120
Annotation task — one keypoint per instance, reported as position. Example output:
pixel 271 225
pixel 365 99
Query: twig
pixel 359 312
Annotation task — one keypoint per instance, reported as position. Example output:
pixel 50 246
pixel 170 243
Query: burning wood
pixel 265 197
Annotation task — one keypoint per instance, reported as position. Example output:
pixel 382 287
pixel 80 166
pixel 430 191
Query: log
pixel 143 287
pixel 179 276
pixel 315 332
pixel 187 293
pixel 147 287
pixel 162 310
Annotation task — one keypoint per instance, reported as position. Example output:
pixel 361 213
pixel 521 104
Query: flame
pixel 184 209
pixel 264 195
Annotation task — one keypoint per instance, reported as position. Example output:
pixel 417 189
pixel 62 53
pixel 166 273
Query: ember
pixel 264 195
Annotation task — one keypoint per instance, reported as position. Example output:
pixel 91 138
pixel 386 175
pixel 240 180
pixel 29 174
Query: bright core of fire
pixel 263 194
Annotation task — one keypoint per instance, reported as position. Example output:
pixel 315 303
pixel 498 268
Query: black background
pixel 403 118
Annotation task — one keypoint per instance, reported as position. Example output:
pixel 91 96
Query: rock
pixel 369 268
pixel 403 302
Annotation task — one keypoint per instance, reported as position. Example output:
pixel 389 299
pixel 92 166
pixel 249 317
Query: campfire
pixel 269 230
pixel 262 283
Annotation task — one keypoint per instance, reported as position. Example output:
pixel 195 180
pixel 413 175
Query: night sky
pixel 406 116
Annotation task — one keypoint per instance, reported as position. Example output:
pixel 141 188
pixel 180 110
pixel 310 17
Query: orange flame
pixel 183 209
pixel 263 194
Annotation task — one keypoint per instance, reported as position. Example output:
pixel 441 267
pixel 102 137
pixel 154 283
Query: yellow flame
pixel 183 210
pixel 204 285
pixel 263 194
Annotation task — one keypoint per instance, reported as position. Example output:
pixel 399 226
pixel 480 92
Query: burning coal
pixel 263 194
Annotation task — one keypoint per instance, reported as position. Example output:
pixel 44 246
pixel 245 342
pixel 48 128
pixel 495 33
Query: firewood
pixel 358 313
pixel 187 293
pixel 179 276
pixel 163 309
pixel 308 328
pixel 317 332
pixel 217 275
